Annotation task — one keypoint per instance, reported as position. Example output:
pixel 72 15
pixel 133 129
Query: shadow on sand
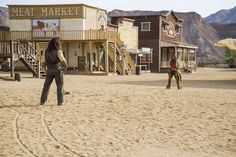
pixel 24 106
pixel 213 84
pixel 6 78
pixel 228 70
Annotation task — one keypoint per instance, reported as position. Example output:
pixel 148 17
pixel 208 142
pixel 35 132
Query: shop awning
pixel 133 51
pixel 165 43
pixel 143 51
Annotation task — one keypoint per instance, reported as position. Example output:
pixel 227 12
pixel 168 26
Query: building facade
pixel 128 33
pixel 87 42
pixel 162 33
pixel 73 22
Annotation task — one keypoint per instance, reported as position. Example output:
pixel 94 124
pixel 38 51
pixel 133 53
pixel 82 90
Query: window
pixel 164 27
pixel 145 26
pixel 192 55
pixel 102 27
pixel 177 29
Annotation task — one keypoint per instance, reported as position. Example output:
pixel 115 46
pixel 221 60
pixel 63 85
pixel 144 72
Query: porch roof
pixel 165 43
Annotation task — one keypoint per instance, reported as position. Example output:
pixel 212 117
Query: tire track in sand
pixel 50 134
pixel 17 136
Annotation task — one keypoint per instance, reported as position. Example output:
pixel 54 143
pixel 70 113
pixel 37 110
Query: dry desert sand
pixel 121 116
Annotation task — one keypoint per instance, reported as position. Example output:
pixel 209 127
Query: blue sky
pixel 203 7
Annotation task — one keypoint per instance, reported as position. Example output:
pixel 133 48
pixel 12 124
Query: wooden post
pixel 176 52
pixel 99 52
pixel 11 60
pixel 106 58
pixel 195 59
pixel 32 35
pixel 123 64
pixel 91 54
pixel 38 70
pixel 159 56
pixel 188 53
pixel 114 57
pixel 67 54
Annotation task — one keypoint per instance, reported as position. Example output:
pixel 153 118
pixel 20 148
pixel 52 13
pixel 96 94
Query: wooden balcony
pixel 73 35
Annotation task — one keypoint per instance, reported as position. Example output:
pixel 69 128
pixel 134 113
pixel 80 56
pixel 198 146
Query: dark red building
pixel 162 32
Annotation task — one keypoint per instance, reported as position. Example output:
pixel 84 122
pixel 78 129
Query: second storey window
pixel 145 26
pixel 177 29
pixel 164 27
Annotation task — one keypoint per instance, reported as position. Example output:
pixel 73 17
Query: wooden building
pixel 87 44
pixel 162 33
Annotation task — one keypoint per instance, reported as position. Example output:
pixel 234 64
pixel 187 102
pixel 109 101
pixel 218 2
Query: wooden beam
pixel 123 63
pixel 114 57
pixel 98 58
pixel 106 58
pixel 176 51
pixel 11 60
pixel 91 54
pixel 38 70
pixel 67 54
pixel 188 53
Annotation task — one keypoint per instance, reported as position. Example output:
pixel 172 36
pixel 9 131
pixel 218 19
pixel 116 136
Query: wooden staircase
pixel 128 60
pixel 112 53
pixel 119 54
pixel 29 56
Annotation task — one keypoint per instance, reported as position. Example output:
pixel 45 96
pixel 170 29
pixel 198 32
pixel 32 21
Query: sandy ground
pixel 121 116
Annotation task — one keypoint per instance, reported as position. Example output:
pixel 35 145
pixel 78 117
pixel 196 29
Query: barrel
pixel 138 70
pixel 18 76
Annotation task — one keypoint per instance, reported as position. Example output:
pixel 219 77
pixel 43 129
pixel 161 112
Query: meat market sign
pixel 46 11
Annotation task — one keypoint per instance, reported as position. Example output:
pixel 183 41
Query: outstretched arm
pixel 64 63
pixel 62 58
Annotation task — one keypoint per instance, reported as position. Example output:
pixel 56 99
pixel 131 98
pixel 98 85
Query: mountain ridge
pixel 223 16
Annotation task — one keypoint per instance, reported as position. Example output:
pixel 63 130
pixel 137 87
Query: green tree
pixel 230 56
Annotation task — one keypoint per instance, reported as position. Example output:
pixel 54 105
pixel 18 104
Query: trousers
pixel 52 74
pixel 177 76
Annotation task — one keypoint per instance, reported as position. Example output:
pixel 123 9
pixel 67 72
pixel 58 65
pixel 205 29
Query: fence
pixel 64 35
pixel 213 64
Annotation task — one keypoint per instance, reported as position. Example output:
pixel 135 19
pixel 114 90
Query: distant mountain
pixel 4 18
pixel 223 16
pixel 195 31
pixel 225 30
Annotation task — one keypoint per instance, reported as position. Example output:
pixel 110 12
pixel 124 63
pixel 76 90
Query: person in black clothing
pixel 52 61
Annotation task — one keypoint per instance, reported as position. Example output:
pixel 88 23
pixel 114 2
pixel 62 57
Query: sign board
pixel 146 50
pixel 45 24
pixel 46 11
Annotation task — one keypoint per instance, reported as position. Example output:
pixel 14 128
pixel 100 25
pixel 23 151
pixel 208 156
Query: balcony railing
pixel 63 35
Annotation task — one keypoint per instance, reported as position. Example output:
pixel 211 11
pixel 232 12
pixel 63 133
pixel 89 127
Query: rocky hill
pixel 225 30
pixel 196 31
pixel 4 19
pixel 223 16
